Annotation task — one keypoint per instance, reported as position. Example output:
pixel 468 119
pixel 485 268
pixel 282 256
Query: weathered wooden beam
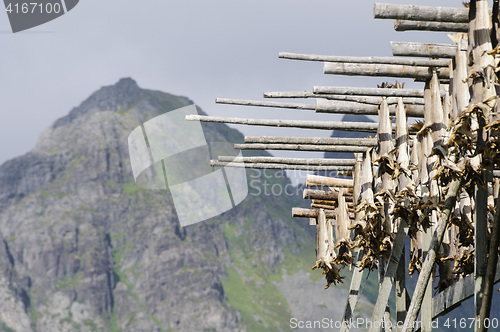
pixel 430 260
pixel 292 161
pixel 362 69
pixel 312 168
pixel 323 194
pixel 299 147
pixel 366 60
pixel 454 295
pixel 336 107
pixel 310 213
pixel 420 13
pixel 324 181
pixel 260 103
pixel 369 127
pixel 337 90
pixel 353 296
pixel 373 100
pixel 405 25
pixel 370 142
pixel 426 50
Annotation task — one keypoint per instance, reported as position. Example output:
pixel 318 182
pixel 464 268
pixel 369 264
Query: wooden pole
pixel 367 60
pixel 260 103
pixel 428 265
pixel 323 194
pixel 369 127
pixel 405 25
pixel 427 50
pixel 305 147
pixel 324 181
pixel 369 142
pixel 216 163
pixel 420 13
pixel 344 107
pixel 372 100
pixel 310 213
pixel 362 69
pixel 368 91
pixel 291 161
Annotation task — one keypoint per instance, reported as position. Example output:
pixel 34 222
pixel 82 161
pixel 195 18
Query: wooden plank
pixel 305 147
pixel 457 293
pixel 366 60
pixel 216 163
pixel 292 161
pixel 369 142
pixel 405 25
pixel 427 50
pixel 420 13
pixel 381 70
pixel 369 127
pixel 337 90
pixel 324 181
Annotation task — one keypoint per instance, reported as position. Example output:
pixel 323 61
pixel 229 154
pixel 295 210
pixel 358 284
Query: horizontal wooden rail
pixel 346 107
pixel 260 103
pixel 324 181
pixel 312 140
pixel 420 13
pixel 311 168
pixel 302 147
pixel 369 127
pixel 404 25
pixel 373 100
pixel 367 60
pixel 323 195
pixel 427 50
pixel 382 70
pixel 292 161
pixel 310 213
pixel 337 90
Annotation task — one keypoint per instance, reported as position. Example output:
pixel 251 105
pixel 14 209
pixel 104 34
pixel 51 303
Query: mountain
pixel 82 248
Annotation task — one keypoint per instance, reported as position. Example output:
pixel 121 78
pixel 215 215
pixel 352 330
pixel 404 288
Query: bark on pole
pixel 428 265
pixel 312 168
pixel 427 50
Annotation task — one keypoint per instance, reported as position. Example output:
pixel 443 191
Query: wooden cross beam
pixel 369 127
pixel 405 25
pixel 383 70
pixel 304 147
pixel 405 93
pixel 427 50
pixel 420 13
pixel 368 142
pixel 366 60
pixel 290 161
pixel 312 168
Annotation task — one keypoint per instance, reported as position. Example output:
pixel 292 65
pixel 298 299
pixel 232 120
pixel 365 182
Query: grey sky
pixel 199 49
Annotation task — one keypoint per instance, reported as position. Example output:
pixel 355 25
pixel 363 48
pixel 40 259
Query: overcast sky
pixel 199 49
